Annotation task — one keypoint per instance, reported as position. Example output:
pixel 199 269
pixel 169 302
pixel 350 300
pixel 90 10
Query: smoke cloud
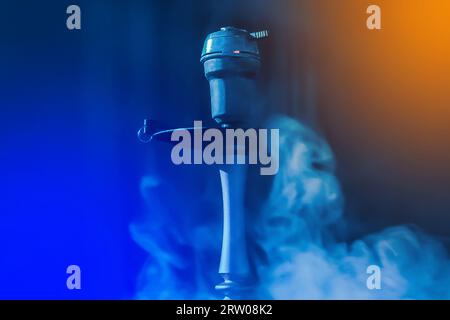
pixel 305 261
pixel 302 257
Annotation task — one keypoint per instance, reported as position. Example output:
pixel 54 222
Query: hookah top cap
pixel 232 42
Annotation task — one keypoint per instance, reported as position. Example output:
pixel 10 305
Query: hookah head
pixel 231 63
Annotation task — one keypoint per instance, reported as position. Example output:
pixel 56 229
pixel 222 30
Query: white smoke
pixel 305 261
pixel 181 240
pixel 303 258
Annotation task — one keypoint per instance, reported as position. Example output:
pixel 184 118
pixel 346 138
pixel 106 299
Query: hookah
pixel 231 62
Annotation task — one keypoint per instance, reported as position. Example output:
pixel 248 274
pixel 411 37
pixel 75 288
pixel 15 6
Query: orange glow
pixel 394 83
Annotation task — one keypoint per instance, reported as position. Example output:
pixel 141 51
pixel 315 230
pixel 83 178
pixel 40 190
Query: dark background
pixel 71 102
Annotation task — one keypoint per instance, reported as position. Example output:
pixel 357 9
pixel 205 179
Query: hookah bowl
pixel 231 62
